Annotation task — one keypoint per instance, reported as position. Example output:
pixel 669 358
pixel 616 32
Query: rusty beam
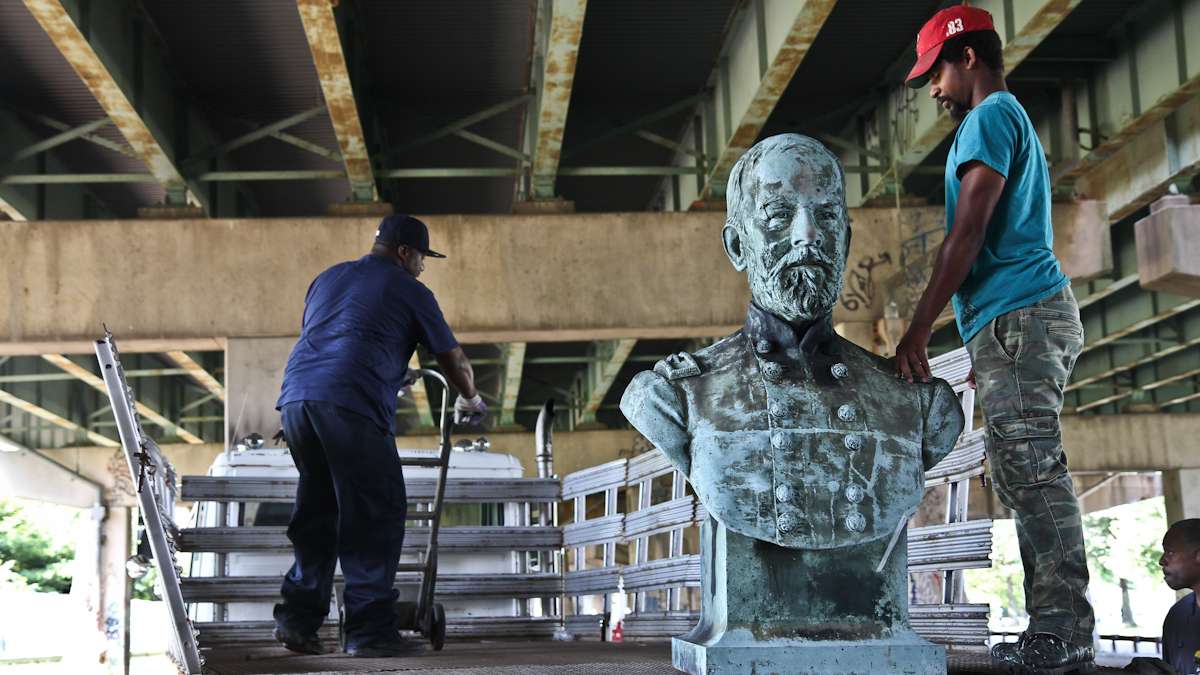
pixel 97 73
pixel 932 124
pixel 554 91
pixel 320 27
pixel 752 49
pixel 96 382
pixel 55 419
pixel 197 373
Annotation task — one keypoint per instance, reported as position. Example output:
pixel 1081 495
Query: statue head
pixel 787 226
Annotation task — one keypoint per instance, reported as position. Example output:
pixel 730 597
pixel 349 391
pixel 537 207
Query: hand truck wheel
pixel 437 628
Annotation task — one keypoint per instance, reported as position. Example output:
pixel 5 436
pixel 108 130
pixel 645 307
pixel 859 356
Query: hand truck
pixel 424 616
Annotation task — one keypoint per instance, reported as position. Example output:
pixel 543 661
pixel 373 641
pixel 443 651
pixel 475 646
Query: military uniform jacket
pixel 805 441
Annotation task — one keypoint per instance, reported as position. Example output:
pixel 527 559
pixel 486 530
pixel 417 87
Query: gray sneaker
pixel 386 648
pixel 1044 654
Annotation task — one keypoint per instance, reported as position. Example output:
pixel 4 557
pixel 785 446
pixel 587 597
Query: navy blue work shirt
pixel 362 321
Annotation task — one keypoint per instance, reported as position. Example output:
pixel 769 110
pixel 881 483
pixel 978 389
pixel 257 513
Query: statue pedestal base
pixel 738 652
pixel 770 609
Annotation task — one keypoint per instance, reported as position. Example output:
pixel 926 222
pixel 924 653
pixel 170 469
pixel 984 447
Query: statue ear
pixel 849 232
pixel 733 247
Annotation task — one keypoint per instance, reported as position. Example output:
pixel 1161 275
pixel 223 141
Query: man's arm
pixel 457 368
pixel 981 188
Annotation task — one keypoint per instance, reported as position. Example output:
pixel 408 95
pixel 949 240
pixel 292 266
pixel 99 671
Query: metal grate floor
pixel 506 658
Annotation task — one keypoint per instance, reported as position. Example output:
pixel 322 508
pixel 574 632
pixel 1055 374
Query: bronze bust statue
pixel 806 451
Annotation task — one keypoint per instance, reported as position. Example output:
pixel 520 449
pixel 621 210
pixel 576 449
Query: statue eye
pixel 778 217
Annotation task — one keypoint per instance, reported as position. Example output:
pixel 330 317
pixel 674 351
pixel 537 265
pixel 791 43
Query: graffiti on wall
pixel 859 290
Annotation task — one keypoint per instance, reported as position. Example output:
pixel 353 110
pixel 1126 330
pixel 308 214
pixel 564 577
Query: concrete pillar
pixel 1181 490
pixel 115 588
pixel 253 375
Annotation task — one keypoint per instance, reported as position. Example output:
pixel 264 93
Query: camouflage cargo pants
pixel 1022 361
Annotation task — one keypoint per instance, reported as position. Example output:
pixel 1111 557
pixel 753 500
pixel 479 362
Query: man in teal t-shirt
pixel 1020 323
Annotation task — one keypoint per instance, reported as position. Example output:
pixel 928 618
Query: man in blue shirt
pixel 1180 564
pixel 1019 320
pixel 362 322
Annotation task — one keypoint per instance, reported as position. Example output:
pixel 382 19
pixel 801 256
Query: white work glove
pixel 469 410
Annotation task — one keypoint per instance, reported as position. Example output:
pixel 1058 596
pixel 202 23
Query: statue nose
pixel 804 230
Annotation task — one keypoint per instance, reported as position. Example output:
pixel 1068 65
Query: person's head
pixel 406 240
pixel 1180 560
pixel 956 49
pixel 787 226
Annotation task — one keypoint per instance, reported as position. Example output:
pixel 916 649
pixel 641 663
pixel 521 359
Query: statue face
pixel 788 226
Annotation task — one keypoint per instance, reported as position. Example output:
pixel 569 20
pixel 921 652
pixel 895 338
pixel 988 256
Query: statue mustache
pixel 805 256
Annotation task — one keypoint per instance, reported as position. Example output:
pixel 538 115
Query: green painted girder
pixel 1116 360
pixel 513 366
pixel 1155 374
pixel 599 377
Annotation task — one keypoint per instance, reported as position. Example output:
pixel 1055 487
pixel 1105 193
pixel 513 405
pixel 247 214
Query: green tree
pixel 28 552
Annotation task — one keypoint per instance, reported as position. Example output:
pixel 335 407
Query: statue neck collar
pixel 763 326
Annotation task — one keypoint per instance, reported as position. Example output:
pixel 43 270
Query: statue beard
pixel 800 288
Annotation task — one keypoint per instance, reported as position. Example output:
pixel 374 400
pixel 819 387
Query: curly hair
pixel 986 44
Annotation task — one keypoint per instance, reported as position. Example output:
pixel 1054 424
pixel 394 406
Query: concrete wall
pixel 188 284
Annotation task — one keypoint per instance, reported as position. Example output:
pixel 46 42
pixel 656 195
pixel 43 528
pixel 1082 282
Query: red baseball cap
pixel 944 25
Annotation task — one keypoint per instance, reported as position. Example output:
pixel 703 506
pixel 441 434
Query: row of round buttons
pixel 854 522
pixel 853 493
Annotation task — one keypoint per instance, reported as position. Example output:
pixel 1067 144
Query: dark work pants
pixel 350 506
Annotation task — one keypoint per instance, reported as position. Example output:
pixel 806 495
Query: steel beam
pixel 1141 111
pixel 1149 386
pixel 96 382
pixel 1134 326
pixel 320 27
pixel 76 178
pixel 112 86
pixel 1146 164
pixel 55 419
pixel 756 48
pixel 555 82
pixel 256 135
pixel 89 137
pixel 1109 289
pixel 599 376
pixel 458 125
pixel 923 125
pixel 1180 400
pixel 326 174
pixel 514 366
pixel 64 377
pixel 634 126
pixel 196 372
pixel 23 203
pixel 59 139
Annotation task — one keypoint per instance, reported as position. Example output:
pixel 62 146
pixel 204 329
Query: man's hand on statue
pixel 912 359
pixel 1145 665
pixel 470 411
pixel 971 379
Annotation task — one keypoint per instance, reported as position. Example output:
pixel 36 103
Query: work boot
pixel 1044 654
pixel 299 643
pixel 387 647
pixel 1006 651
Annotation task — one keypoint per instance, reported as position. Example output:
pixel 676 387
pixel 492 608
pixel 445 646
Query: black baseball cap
pixel 399 228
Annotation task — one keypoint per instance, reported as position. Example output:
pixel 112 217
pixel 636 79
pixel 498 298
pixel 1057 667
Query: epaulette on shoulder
pixel 678 366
